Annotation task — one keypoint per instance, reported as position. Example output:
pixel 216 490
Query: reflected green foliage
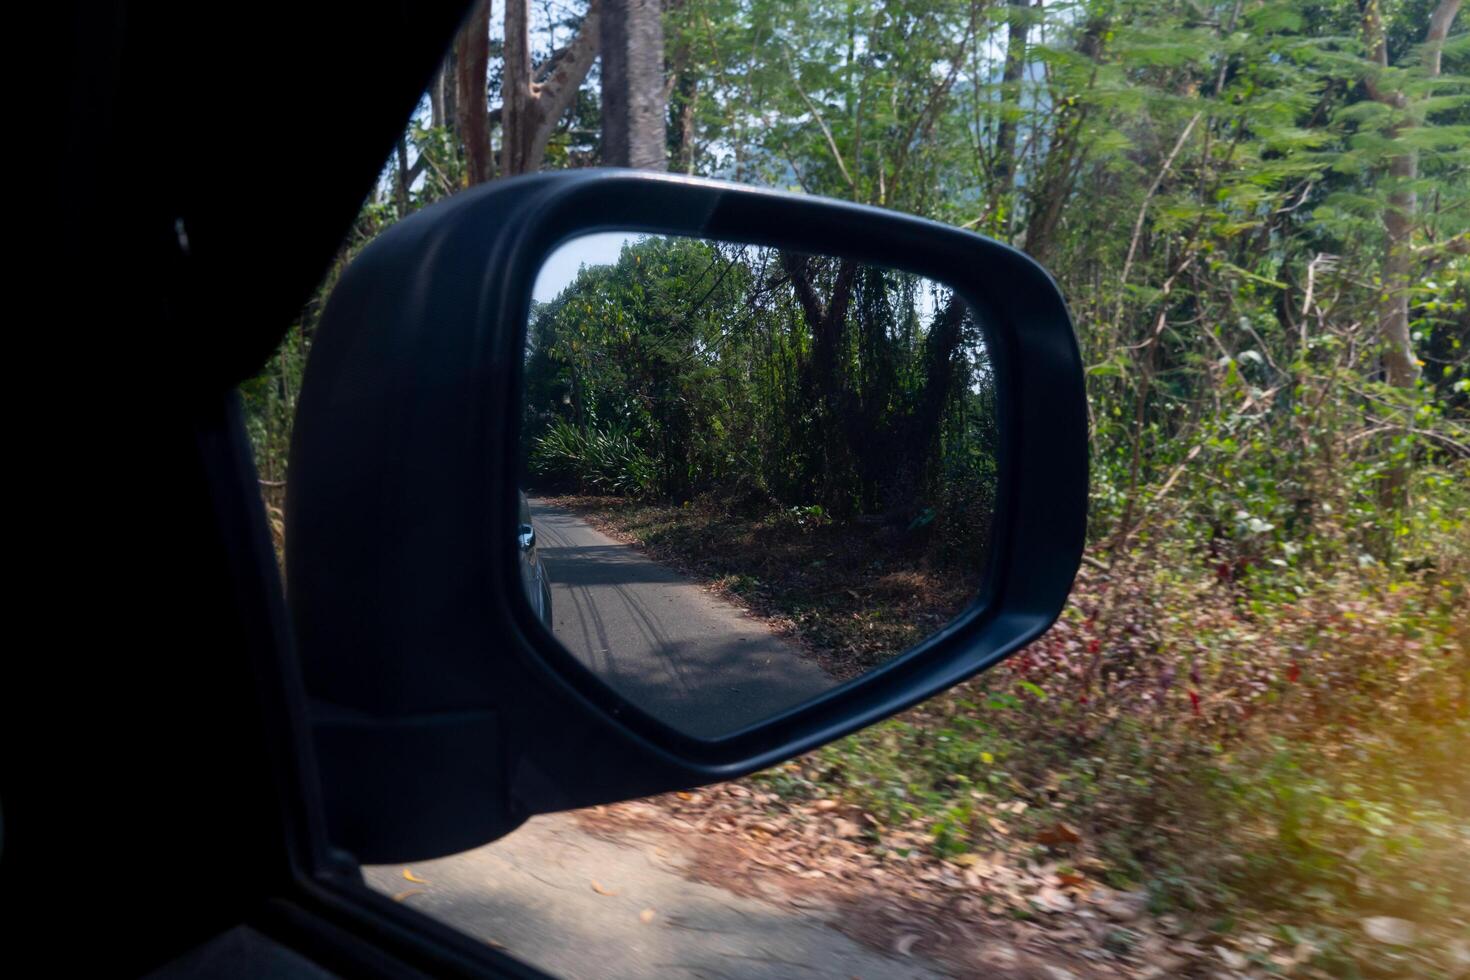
pixel 768 380
pixel 604 460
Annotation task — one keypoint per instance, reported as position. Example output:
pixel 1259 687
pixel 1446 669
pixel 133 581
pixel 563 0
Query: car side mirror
pixel 445 709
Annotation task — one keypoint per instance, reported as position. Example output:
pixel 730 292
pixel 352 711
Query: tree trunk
pixel 688 103
pixel 1400 363
pixel 443 106
pixel 681 92
pixel 1052 186
pixel 472 61
pixel 908 444
pixel 519 118
pixel 1001 205
pixel 400 176
pixel 1400 366
pixel 888 450
pixel 535 99
pixel 633 114
pixel 436 95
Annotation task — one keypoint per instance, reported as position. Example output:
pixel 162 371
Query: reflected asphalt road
pixel 658 639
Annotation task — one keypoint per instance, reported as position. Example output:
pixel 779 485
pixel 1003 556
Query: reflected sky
pixel 603 248
pixel 562 265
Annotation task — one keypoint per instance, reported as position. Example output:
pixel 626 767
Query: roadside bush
pixel 592 460
pixel 1296 766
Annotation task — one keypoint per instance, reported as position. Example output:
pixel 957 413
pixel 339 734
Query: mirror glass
pixel 750 475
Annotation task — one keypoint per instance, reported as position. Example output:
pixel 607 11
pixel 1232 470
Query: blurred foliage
pixel 1292 768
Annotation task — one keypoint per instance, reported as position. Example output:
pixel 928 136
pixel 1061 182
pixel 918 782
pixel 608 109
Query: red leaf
pixel 1194 702
pixel 1294 673
pixel 1058 833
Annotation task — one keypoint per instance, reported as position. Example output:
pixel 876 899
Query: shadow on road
pixel 661 641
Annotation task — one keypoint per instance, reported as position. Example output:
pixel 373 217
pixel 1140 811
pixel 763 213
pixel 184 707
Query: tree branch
pixel 1143 213
pixel 566 76
pixel 826 130
pixel 1439 29
pixel 811 304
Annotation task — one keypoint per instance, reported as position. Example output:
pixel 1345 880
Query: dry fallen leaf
pixel 600 890
pixel 822 806
pixel 1057 972
pixel 1068 880
pixel 1001 955
pixel 1165 962
pixel 407 893
pixel 1231 958
pixel 410 876
pixel 646 916
pixel 1052 900
pixel 1058 833
pixel 1387 929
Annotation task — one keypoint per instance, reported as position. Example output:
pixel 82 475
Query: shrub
pixel 592 459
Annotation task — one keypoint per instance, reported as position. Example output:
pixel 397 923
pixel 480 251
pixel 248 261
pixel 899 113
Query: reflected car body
pixel 533 574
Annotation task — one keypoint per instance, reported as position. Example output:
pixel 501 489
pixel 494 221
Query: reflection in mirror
pixel 752 475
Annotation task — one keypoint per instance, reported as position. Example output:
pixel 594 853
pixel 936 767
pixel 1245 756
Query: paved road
pixel 584 908
pixel 662 641
pixel 579 906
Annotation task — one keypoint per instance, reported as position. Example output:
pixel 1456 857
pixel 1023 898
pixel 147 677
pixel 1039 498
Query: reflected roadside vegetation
pixel 810 438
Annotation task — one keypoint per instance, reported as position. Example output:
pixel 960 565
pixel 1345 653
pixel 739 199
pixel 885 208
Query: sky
pixel 562 265
pixel 603 248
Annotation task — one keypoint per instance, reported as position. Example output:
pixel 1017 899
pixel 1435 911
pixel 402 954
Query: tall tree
pixel 1401 366
pixel 536 97
pixel 471 95
pixel 681 91
pixel 633 95
pixel 441 92
pixel 1018 24
pixel 885 431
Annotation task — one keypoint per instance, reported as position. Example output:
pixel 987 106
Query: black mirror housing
pixel 444 713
